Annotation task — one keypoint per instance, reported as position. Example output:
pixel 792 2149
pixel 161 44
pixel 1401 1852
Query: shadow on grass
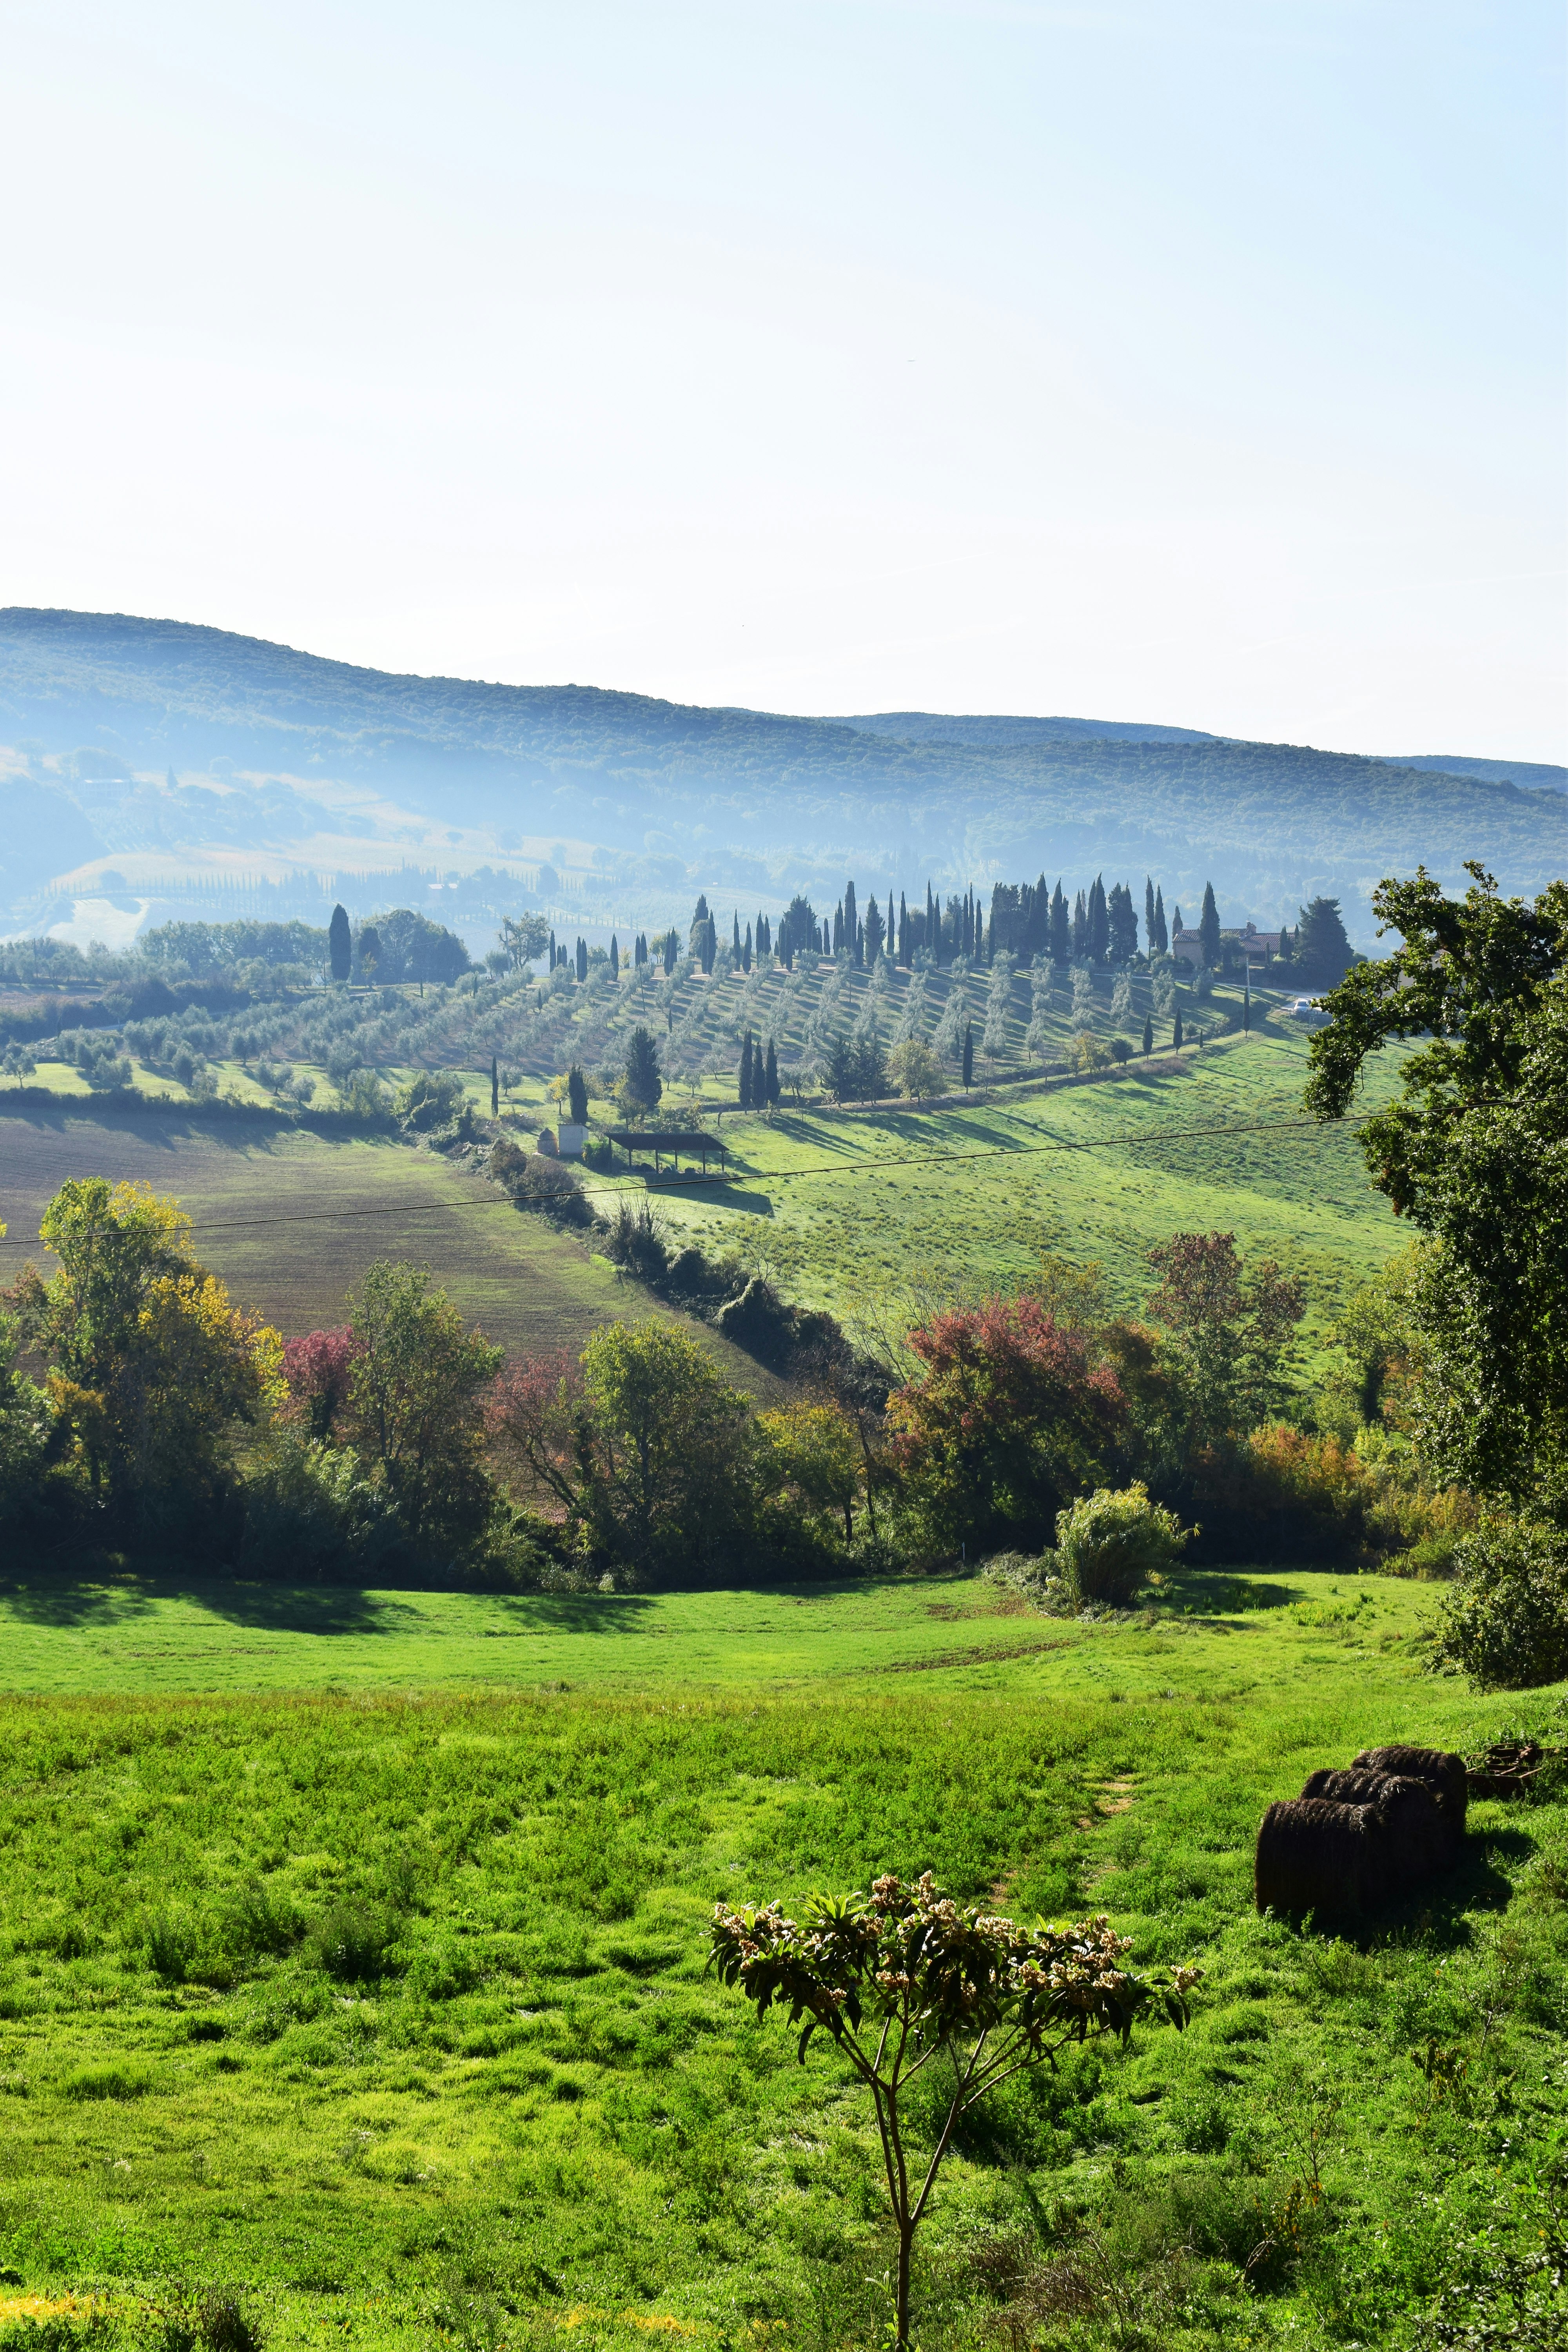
pixel 64 1602
pixel 331 1609
pixel 1219 1592
pixel 1438 1915
pixel 727 1195
pixel 67 1602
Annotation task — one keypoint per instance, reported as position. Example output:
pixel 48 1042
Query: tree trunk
pixel 906 2240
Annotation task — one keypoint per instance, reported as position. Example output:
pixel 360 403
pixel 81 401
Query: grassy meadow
pixel 859 1210
pixel 381 1997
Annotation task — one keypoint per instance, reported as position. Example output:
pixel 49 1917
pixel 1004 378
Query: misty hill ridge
pixel 758 801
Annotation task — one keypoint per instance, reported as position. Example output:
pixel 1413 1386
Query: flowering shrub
pixel 904 1975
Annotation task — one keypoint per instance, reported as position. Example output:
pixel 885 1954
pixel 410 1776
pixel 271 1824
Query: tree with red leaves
pixel 1012 1417
pixel 1233 1329
pixel 532 1418
pixel 317 1369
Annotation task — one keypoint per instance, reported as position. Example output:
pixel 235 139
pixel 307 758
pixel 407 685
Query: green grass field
pixel 382 1995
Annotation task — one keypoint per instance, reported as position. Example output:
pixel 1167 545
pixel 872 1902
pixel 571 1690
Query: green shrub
pixel 441 1971
pixel 109 2081
pixel 206 2319
pixel 1505 1622
pixel 169 1940
pixel 311 1510
pixel 353 1939
pixel 1112 1543
pixel 437 1101
pixel 260 1922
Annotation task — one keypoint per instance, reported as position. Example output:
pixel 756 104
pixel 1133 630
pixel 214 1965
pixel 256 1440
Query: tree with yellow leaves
pixel 150 1366
pixel 817 1458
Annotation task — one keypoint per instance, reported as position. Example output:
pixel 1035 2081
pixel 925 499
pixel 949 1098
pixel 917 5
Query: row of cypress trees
pixel 758 1088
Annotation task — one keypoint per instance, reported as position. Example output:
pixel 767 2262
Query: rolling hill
pixel 154 756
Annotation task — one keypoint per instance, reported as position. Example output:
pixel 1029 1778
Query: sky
pixel 1200 363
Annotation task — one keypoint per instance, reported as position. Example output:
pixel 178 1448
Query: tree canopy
pixel 150 1365
pixel 1474 1151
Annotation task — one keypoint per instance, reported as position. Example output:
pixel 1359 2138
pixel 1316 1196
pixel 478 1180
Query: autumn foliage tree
pixel 646 1454
pixel 1231 1328
pixel 152 1368
pixel 1011 1415
pixel 316 1369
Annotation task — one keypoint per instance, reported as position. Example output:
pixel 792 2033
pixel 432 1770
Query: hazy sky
pixel 1174 360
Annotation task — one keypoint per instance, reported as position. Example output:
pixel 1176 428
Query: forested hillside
pixel 159 749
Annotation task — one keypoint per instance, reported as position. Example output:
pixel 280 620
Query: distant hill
pixel 1533 774
pixel 939 727
pixel 150 746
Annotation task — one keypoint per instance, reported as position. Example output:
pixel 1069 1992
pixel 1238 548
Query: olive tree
pixel 904 1978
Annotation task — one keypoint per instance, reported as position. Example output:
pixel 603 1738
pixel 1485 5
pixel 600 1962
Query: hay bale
pixel 1443 1772
pixel 1419 1838
pixel 1316 1855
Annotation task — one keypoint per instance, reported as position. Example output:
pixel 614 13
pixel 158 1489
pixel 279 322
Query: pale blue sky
pixel 1192 362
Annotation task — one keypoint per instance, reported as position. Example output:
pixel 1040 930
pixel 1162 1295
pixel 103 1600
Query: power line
pixel 676 1183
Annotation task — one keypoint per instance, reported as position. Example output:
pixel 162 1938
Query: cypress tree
pixel 1148 912
pixel 851 923
pixel 614 959
pixel 643 1085
pixel 968 1052
pixel 746 950
pixel 340 951
pixel 903 929
pixel 1148 1032
pixel 1061 929
pixel 745 1085
pixel 735 928
pixel 1177 1032
pixel 553 954
pixel 931 942
pixel 771 1088
pixel 582 959
pixel 1159 938
pixel 1099 922
pixel 577 1096
pixel 1208 928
